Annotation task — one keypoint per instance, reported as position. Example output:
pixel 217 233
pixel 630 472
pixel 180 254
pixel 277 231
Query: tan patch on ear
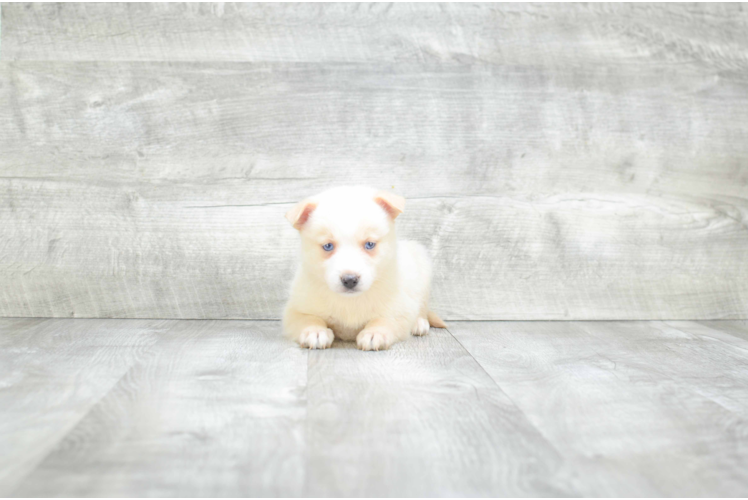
pixel 393 204
pixel 300 213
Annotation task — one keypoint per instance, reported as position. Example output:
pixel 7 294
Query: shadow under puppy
pixel 355 280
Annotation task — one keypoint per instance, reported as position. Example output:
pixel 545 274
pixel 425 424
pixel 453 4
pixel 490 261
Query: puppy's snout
pixel 350 280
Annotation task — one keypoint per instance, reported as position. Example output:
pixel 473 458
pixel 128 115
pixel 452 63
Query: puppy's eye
pixel 369 245
pixel 327 247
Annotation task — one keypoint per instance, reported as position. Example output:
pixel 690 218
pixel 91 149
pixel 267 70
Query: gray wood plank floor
pixel 230 408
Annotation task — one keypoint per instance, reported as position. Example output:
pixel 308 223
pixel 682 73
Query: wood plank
pixel 217 409
pixel 225 408
pixel 157 189
pixel 236 134
pixel 422 419
pixel 575 34
pixel 638 409
pixel 614 257
pixel 52 372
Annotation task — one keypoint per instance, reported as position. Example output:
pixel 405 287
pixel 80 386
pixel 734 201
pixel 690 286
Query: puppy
pixel 355 280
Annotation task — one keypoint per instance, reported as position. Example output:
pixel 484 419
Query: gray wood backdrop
pixel 561 161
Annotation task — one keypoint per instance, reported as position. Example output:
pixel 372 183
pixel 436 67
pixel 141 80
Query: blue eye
pixel 369 245
pixel 327 247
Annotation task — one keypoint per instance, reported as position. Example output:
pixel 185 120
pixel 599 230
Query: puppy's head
pixel 348 236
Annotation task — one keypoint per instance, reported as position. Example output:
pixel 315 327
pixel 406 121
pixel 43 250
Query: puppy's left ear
pixel 393 204
pixel 300 213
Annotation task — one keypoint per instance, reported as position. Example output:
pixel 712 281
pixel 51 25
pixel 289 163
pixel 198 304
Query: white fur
pixel 421 327
pixel 391 299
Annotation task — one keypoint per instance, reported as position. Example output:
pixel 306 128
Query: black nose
pixel 349 281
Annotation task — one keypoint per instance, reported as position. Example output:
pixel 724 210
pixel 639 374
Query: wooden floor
pixel 229 408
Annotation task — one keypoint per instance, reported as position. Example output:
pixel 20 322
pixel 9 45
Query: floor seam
pixel 77 422
pixel 70 429
pixel 562 457
pixel 304 484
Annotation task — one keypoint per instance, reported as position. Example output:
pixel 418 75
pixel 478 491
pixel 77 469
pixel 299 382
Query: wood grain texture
pixel 535 34
pixel 562 161
pixel 563 257
pixel 228 134
pixel 422 419
pixel 216 409
pixel 52 374
pixel 231 408
pixel 157 189
pixel 637 409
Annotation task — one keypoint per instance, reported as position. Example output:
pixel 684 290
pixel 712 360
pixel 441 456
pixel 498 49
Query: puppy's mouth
pixel 350 292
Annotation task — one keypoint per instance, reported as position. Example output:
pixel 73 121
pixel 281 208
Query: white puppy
pixel 355 280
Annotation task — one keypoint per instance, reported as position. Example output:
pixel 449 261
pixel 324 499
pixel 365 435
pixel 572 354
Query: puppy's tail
pixel 435 320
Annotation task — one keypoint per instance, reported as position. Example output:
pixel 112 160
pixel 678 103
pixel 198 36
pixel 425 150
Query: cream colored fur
pixel 390 301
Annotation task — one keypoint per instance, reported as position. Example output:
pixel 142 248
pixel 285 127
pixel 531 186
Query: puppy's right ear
pixel 393 204
pixel 299 214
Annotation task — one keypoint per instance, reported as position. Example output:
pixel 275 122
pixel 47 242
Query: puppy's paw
pixel 316 337
pixel 375 339
pixel 421 327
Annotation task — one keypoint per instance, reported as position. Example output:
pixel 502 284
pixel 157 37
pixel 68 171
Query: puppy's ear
pixel 393 204
pixel 299 214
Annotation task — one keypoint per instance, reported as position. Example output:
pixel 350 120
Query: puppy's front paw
pixel 375 339
pixel 421 327
pixel 316 337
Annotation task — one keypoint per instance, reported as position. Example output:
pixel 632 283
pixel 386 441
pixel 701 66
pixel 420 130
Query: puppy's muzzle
pixel 350 280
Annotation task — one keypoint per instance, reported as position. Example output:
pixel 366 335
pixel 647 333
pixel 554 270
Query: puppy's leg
pixel 381 333
pixel 309 331
pixel 425 320
pixel 421 326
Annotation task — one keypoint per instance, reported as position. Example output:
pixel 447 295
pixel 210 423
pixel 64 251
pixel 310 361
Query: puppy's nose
pixel 350 280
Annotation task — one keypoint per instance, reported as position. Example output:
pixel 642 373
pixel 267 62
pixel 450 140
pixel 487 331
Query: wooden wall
pixel 560 161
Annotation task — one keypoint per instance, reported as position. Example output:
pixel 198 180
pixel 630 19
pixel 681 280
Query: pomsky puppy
pixel 355 280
